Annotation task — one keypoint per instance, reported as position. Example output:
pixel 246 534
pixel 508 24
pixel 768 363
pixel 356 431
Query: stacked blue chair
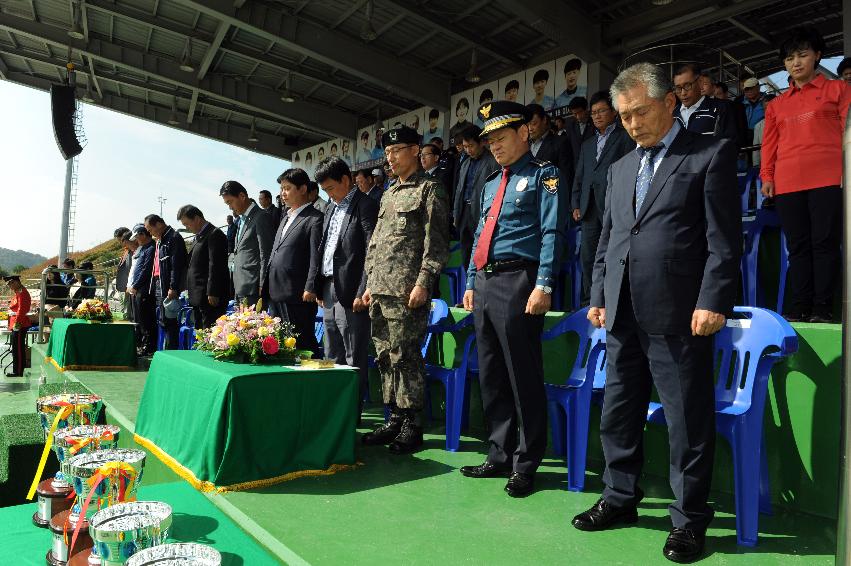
pixel 753 228
pixel 747 349
pixel 454 382
pixel 319 330
pixel 160 333
pixel 570 402
pixel 457 278
pixel 186 334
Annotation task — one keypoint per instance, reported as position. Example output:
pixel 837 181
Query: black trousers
pixel 683 376
pixel 146 319
pixel 592 226
pixel 206 315
pixel 303 317
pixel 511 368
pixel 18 342
pixel 812 223
pixel 169 325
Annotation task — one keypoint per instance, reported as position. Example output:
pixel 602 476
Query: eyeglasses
pixel 685 87
pixel 393 151
pixel 601 112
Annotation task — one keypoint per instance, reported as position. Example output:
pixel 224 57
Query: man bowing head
pixel 665 277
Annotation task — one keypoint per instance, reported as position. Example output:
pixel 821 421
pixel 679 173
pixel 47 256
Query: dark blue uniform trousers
pixel 681 369
pixel 511 368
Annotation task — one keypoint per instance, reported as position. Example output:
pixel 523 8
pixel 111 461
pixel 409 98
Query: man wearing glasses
pixel 405 256
pixel 697 113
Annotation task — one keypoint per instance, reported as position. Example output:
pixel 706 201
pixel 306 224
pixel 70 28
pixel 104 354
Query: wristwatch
pixel 545 289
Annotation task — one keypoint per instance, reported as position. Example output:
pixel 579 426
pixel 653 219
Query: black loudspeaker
pixel 62 103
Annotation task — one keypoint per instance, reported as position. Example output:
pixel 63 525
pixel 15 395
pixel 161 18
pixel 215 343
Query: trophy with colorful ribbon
pixel 124 529
pixel 108 476
pixel 58 412
pixel 177 553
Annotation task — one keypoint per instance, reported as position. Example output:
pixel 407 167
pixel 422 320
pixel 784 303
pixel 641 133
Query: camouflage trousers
pixel 398 334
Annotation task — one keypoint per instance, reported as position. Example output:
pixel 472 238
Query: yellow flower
pixel 262 331
pixel 268 321
pixel 216 330
pixel 232 339
pixel 242 324
pixel 289 343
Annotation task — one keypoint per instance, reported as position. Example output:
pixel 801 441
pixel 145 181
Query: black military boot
pixel 410 438
pixel 386 432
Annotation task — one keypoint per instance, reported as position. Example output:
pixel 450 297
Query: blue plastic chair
pixel 454 382
pixel 231 307
pixel 160 333
pixel 319 330
pixel 570 402
pixel 457 277
pixel 747 349
pixel 571 270
pixel 186 334
pixel 753 228
pixel 748 181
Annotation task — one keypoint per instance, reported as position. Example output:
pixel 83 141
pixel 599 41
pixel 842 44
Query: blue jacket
pixel 144 260
pixel 713 117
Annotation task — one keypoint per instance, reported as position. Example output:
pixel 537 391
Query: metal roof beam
pixel 210 54
pixel 193 104
pixel 91 65
pixel 261 100
pixel 749 29
pixel 348 13
pixel 334 49
pixel 246 52
pixel 4 70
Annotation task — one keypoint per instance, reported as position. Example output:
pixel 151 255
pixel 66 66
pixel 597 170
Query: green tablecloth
pixel 78 344
pixel 229 426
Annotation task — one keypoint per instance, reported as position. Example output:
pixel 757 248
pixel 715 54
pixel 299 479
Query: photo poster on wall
pixel 296 159
pixel 364 145
pixel 540 85
pixel 433 125
pixel 416 120
pixel 482 94
pixel 346 150
pixel 512 87
pixel 571 80
pixel 461 106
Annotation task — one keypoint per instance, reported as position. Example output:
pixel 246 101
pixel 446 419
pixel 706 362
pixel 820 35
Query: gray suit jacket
pixel 251 255
pixel 589 184
pixel 684 246
pixel 487 166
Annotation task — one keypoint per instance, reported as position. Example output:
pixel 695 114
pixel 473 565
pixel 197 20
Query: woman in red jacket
pixel 802 169
pixel 19 322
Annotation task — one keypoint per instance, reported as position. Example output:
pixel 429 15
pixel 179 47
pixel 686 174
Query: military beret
pixel 501 114
pixel 402 134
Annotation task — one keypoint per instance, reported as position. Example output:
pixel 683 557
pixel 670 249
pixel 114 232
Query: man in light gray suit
pixel 588 197
pixel 665 280
pixel 253 243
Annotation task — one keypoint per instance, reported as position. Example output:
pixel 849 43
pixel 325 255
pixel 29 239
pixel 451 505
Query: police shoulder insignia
pixel 485 111
pixel 539 162
pixel 551 184
pixel 492 175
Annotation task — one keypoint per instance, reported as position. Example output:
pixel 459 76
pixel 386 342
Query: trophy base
pixel 81 558
pixel 58 554
pixel 51 500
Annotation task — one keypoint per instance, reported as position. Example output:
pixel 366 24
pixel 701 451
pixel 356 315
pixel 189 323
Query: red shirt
pixel 156 271
pixel 802 140
pixel 19 307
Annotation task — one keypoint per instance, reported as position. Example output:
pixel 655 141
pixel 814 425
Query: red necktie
pixel 480 257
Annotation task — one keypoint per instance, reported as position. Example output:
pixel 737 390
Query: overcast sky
pixel 124 167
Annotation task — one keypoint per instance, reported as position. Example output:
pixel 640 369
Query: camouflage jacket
pixel 410 243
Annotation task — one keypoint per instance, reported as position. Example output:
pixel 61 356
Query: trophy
pixel 108 476
pixel 179 553
pixel 124 529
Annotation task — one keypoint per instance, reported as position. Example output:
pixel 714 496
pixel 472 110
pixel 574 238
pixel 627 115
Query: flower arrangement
pixel 4 315
pixel 93 310
pixel 248 335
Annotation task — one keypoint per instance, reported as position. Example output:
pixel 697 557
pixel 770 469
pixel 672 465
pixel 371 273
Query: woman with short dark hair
pixel 19 323
pixel 802 169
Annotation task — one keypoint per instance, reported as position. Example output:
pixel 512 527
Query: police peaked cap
pixel 501 114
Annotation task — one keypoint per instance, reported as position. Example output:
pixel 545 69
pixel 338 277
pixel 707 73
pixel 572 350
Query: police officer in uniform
pixel 405 256
pixel 516 253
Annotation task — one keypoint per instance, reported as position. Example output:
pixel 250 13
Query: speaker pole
pixel 69 174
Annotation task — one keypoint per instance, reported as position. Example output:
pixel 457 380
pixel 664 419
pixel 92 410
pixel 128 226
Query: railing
pixel 42 312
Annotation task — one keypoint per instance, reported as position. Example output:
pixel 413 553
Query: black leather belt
pixel 508 265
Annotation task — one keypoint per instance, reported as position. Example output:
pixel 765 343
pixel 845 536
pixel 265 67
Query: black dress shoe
pixel 486 470
pixel 409 439
pixel 385 433
pixel 520 484
pixel 684 545
pixel 604 515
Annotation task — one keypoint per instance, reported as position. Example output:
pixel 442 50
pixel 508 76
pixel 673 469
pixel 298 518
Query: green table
pixel 79 344
pixel 226 426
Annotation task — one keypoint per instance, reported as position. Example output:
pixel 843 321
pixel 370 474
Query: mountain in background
pixel 9 259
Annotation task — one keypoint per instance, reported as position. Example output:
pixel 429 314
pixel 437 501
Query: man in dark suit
pixel 701 114
pixel 139 287
pixel 207 278
pixel 665 279
pixel 295 258
pixel 579 126
pixel 253 243
pixel 231 234
pixel 267 203
pixel 169 274
pixel 588 197
pixel 368 184
pixel 341 279
pixel 473 173
pixel 547 146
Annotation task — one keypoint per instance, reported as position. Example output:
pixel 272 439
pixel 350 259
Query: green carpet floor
pixel 195 520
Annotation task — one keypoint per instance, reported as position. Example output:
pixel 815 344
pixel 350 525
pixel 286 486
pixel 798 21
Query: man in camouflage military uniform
pixel 406 254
